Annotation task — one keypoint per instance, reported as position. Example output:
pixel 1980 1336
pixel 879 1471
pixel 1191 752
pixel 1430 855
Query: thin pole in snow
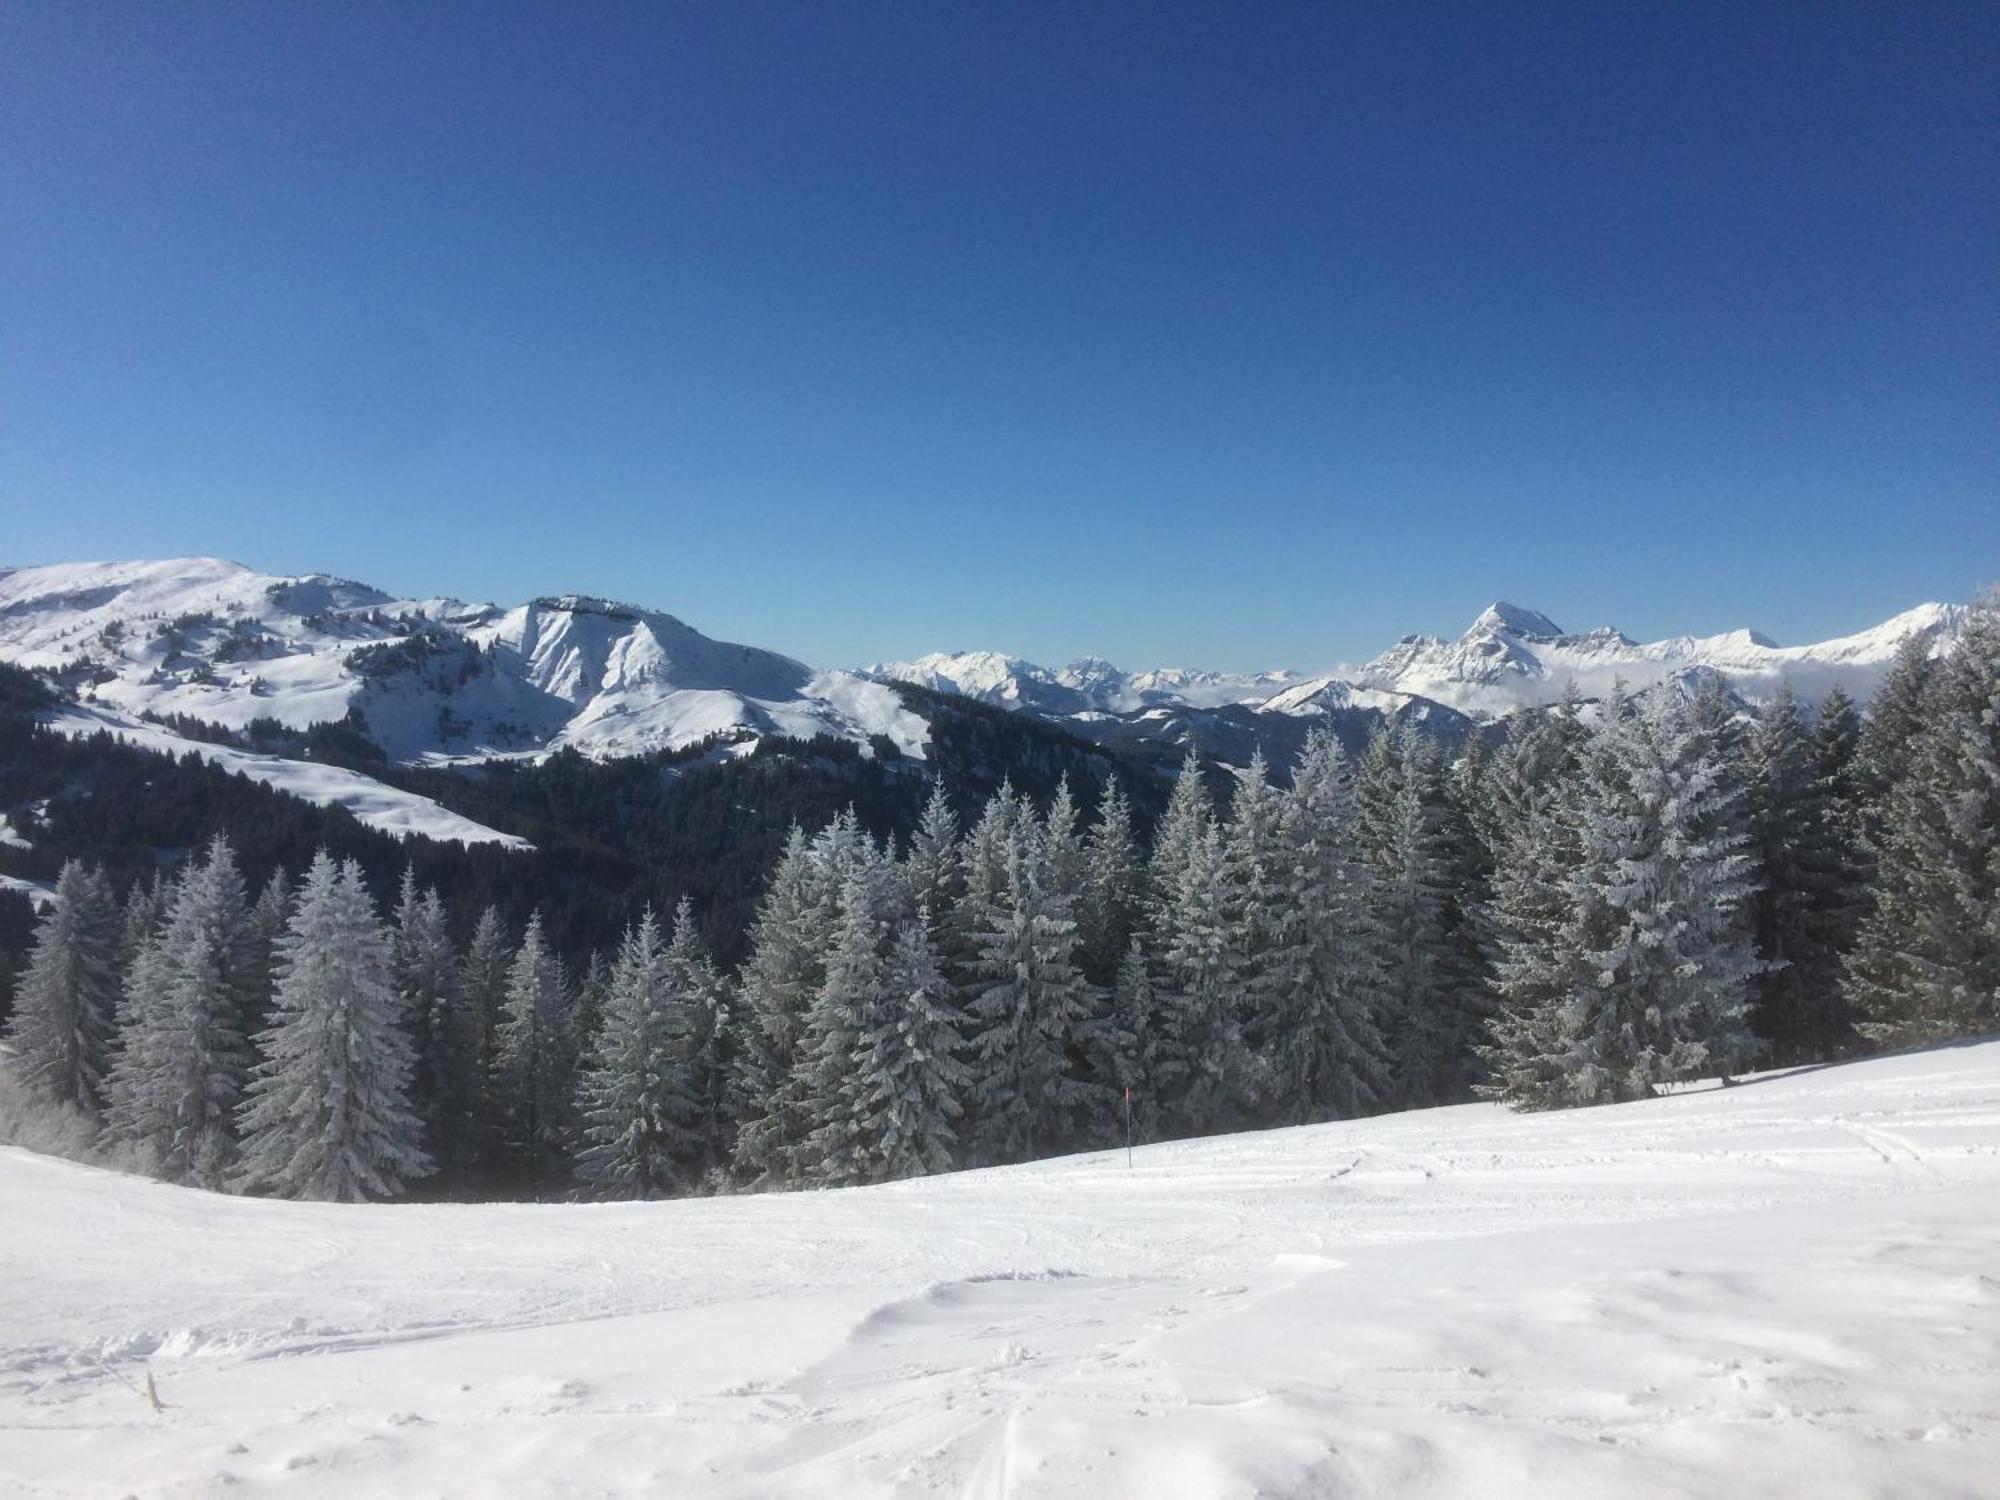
pixel 1128 1125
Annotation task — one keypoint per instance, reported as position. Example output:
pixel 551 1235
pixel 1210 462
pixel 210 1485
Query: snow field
pixel 1787 1288
pixel 372 802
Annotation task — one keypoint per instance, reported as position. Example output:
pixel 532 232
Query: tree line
pixel 1624 895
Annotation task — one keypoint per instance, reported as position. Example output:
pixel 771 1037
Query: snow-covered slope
pixel 1782 1289
pixel 372 802
pixel 432 678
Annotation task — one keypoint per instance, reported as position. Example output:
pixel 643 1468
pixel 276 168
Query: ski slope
pixel 1788 1288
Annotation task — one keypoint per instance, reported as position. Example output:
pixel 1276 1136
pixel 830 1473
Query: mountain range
pixel 146 647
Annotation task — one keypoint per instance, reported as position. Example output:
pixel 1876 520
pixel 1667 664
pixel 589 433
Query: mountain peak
pixel 1502 618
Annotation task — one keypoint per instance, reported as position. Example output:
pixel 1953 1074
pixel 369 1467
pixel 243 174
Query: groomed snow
pixel 373 802
pixel 1788 1288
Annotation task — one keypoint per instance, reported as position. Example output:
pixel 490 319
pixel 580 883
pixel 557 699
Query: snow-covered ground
pixel 375 803
pixel 1789 1288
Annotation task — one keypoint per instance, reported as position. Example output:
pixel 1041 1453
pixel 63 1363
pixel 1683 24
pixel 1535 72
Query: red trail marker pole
pixel 1128 1126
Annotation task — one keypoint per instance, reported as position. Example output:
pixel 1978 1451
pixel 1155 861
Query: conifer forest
pixel 1614 896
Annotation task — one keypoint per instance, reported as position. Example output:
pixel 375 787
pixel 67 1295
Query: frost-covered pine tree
pixel 640 1112
pixel 1029 1006
pixel 709 1036
pixel 1802 910
pixel 1522 777
pixel 586 1006
pixel 534 1065
pixel 932 871
pixel 1843 877
pixel 1534 800
pixel 908 1067
pixel 1119 1041
pixel 182 1057
pixel 327 1113
pixel 67 1002
pixel 268 916
pixel 1424 1014
pixel 1926 965
pixel 852 999
pixel 1434 1002
pixel 145 909
pixel 781 979
pixel 1655 962
pixel 1107 916
pixel 984 857
pixel 1062 849
pixel 426 971
pixel 1185 822
pixel 1256 881
pixel 482 997
pixel 1322 1052
pixel 1202 1067
pixel 1897 716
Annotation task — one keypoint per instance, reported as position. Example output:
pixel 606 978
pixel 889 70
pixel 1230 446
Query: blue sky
pixel 1225 335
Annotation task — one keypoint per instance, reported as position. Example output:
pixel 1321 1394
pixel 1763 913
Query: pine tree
pixel 1844 874
pixel 1802 909
pixel 1434 1001
pixel 1186 821
pixel 67 1003
pixel 182 1056
pixel 638 1101
pixel 1120 1042
pixel 145 909
pixel 1107 916
pixel 1029 1008
pixel 445 1090
pixel 1062 849
pixel 851 1001
pixel 1713 715
pixel 1203 1068
pixel 269 916
pixel 327 1111
pixel 708 1037
pixel 1520 781
pixel 1535 806
pixel 1926 965
pixel 912 1058
pixel 1654 965
pixel 1256 876
pixel 482 997
pixel 1897 717
pixel 534 1064
pixel 1323 1053
pixel 786 967
pixel 995 840
pixel 932 871
pixel 587 1005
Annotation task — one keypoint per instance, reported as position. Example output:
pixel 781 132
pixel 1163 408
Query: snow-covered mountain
pixel 1088 685
pixel 440 680
pixel 1513 658
pixel 1509 658
pixel 431 678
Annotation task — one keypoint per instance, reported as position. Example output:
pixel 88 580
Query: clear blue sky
pixel 1216 334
